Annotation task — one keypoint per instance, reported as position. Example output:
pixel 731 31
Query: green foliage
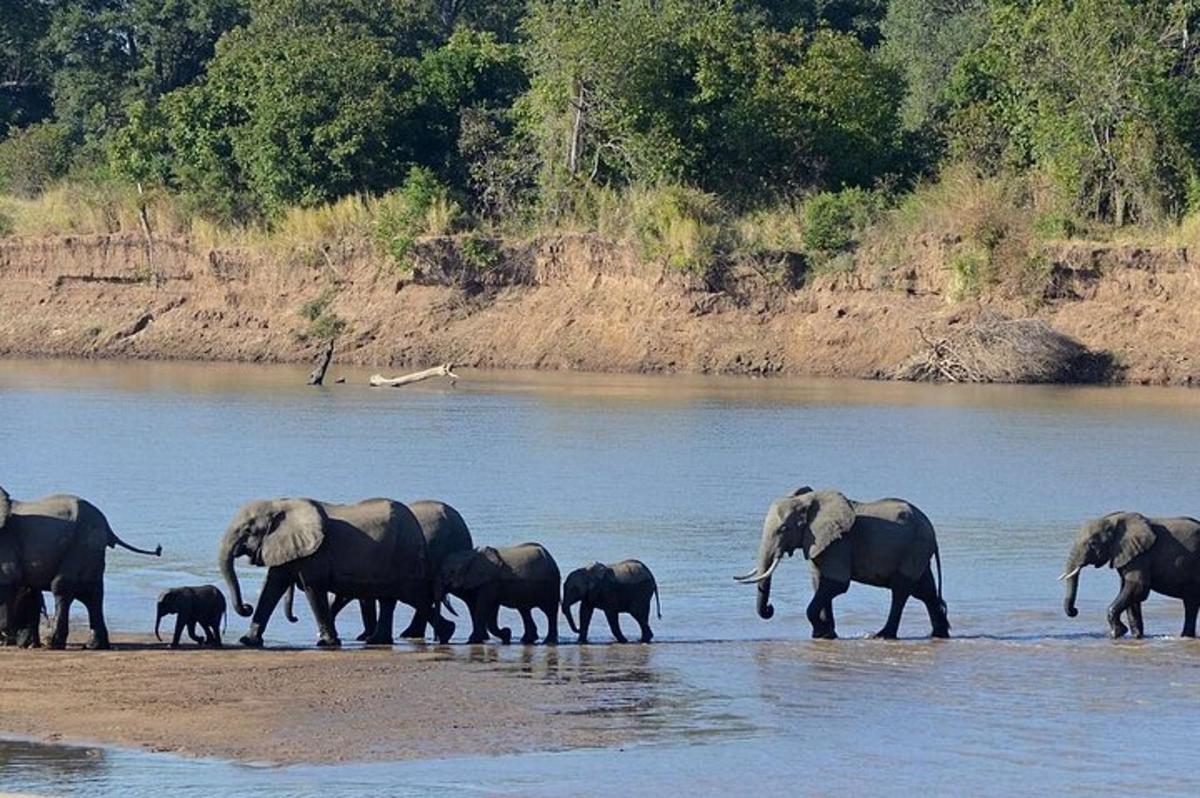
pixel 479 252
pixel 422 206
pixel 33 157
pixel 834 221
pixel 680 226
pixel 323 322
pixel 970 270
pixel 24 70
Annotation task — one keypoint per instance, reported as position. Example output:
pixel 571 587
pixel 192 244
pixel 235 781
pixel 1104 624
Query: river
pixel 678 472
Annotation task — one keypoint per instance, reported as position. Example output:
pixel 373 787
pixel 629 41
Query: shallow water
pixel 677 472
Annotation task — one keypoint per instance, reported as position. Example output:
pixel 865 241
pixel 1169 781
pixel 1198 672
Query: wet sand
pixel 302 705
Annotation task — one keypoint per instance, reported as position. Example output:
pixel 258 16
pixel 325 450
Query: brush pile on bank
pixel 995 348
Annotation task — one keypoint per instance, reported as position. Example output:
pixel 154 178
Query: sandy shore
pixel 290 706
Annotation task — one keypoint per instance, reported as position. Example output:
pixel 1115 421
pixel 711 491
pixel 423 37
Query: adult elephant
pixel 445 532
pixel 57 543
pixel 373 549
pixel 1159 554
pixel 887 543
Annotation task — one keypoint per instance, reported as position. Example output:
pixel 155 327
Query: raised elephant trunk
pixel 228 551
pixel 1071 575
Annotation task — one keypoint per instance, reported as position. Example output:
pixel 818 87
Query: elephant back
pixel 631 572
pixel 444 529
pixel 530 561
pixel 378 540
pixel 5 507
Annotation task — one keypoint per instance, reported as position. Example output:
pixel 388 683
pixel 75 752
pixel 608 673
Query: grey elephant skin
pixel 445 532
pixel 57 543
pixel 620 587
pixel 1159 554
pixel 371 549
pixel 886 543
pixel 21 625
pixel 523 577
pixel 202 605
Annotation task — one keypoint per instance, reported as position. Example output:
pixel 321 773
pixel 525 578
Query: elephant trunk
pixel 769 555
pixel 1075 564
pixel 570 620
pixel 158 621
pixel 227 553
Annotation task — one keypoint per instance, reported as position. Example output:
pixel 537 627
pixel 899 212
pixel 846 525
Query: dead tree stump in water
pixel 317 377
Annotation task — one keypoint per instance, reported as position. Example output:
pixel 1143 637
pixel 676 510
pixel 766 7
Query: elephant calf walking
pixel 203 605
pixel 522 577
pixel 887 543
pixel 1159 554
pixel 625 586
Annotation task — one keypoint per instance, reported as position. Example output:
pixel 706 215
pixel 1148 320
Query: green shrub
pixel 33 157
pixel 323 323
pixel 1055 226
pixel 480 252
pixel 834 221
pixel 682 226
pixel 970 269
pixel 422 206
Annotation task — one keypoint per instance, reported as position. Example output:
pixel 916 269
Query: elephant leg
pixel 823 618
pixel 382 624
pixel 585 620
pixel 531 632
pixel 196 638
pixel 1125 598
pixel 614 624
pixel 820 609
pixel 642 616
pixel 94 602
pixel 900 592
pixel 550 610
pixel 416 627
pixel 62 612
pixel 274 587
pixel 318 602
pixel 212 634
pixel 370 619
pixel 493 618
pixel 481 616
pixel 179 625
pixel 925 591
pixel 1134 613
pixel 1190 606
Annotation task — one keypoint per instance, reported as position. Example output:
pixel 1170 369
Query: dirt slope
pixel 561 303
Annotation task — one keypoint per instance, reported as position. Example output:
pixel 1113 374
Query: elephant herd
pixel 381 552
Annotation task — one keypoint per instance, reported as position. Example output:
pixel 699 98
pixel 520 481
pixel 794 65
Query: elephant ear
pixel 484 567
pixel 5 507
pixel 830 516
pixel 596 575
pixel 297 530
pixel 1134 537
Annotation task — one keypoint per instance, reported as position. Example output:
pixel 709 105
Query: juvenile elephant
pixel 57 543
pixel 886 543
pixel 21 625
pixel 624 586
pixel 1159 554
pixel 203 605
pixel 522 577
pixel 373 549
pixel 445 532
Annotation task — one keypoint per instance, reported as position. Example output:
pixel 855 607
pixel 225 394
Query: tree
pixel 24 73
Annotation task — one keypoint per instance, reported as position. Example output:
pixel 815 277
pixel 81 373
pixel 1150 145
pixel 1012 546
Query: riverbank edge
pixel 570 302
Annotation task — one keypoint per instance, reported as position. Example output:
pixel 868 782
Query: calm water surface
pixel 677 472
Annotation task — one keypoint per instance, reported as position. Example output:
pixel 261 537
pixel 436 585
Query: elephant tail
pixel 114 541
pixel 937 558
pixel 657 606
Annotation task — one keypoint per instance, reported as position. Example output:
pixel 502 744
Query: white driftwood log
pixel 444 370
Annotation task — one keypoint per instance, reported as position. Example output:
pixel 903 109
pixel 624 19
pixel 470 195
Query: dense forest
pixel 697 127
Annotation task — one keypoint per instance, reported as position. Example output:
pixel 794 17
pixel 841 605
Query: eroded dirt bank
pixel 291 706
pixel 566 303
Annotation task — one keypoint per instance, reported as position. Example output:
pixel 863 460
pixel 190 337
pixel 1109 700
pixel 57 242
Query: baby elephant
pixel 522 577
pixel 204 605
pixel 624 586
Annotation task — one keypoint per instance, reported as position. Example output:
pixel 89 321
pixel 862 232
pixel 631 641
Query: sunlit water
pixel 677 472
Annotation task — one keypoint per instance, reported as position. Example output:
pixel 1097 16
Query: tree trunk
pixel 317 377
pixel 444 370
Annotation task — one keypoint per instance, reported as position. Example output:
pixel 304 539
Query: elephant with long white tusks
pixel 887 543
pixel 1159 554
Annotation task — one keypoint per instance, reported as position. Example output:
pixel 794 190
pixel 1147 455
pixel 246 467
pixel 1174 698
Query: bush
pixel 422 206
pixel 323 323
pixel 684 227
pixel 834 221
pixel 31 158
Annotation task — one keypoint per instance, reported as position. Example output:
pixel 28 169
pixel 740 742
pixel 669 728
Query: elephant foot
pixel 329 642
pixel 58 644
pixel 363 636
pixel 646 638
pixel 551 640
pixel 941 634
pixel 251 641
pixel 414 631
pixel 97 643
pixel 527 640
pixel 824 634
pixel 505 635
pixel 582 640
pixel 883 634
pixel 477 639
pixel 1117 630
pixel 444 632
pixel 380 640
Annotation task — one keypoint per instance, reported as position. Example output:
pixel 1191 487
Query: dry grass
pixel 997 349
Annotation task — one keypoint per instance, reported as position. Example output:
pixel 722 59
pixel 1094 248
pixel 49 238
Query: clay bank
pixel 1115 313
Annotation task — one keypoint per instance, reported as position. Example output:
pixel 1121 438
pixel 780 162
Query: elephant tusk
pixel 766 575
pixel 744 577
pixel 1065 575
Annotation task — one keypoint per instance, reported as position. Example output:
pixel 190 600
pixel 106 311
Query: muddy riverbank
pixel 569 303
